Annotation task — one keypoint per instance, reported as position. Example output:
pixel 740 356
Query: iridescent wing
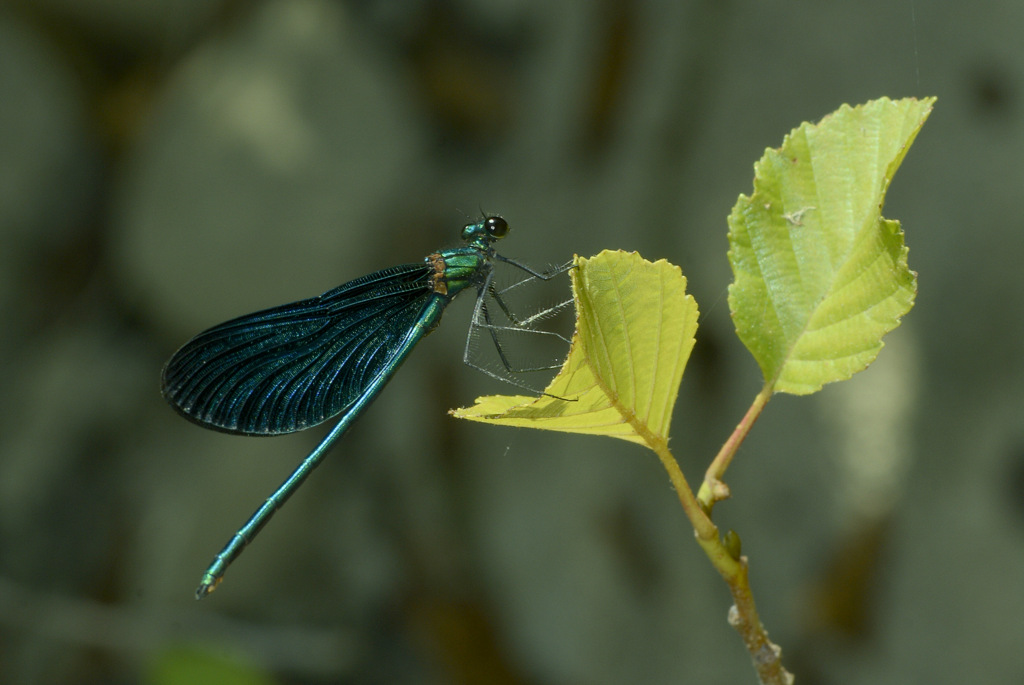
pixel 294 366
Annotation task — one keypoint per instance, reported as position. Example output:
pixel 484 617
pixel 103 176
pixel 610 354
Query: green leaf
pixel 820 275
pixel 635 328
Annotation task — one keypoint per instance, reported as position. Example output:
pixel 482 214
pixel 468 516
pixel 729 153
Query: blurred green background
pixel 166 165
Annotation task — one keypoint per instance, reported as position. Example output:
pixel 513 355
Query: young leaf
pixel 635 328
pixel 820 275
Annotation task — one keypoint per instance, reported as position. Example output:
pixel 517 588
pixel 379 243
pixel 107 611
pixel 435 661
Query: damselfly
pixel 292 367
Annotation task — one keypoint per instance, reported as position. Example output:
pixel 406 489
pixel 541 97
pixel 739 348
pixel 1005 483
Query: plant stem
pixel 714 489
pixel 703 528
pixel 765 655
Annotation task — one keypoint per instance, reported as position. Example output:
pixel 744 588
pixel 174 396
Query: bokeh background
pixel 167 165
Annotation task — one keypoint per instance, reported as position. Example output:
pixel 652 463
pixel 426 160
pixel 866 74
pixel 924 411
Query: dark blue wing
pixel 291 367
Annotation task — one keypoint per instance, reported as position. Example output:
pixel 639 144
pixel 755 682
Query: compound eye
pixel 496 226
